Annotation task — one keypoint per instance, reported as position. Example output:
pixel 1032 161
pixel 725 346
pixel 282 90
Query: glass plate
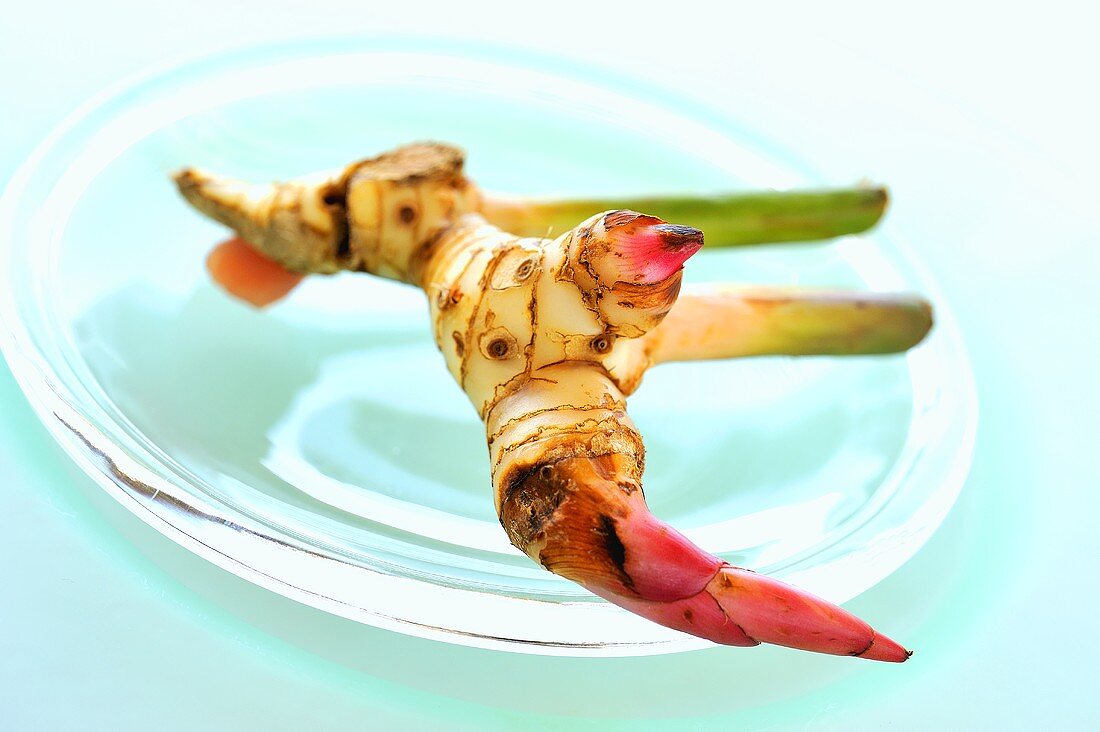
pixel 320 449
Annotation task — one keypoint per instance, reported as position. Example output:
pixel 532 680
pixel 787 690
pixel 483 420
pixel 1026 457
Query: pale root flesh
pixel 370 217
pixel 547 338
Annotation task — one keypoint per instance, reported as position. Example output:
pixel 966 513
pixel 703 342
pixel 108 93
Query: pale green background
pixel 984 125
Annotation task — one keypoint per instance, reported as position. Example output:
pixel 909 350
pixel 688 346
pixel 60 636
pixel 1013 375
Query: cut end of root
pixel 248 275
pixel 644 250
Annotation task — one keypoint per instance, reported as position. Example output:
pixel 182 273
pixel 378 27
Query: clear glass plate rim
pixel 77 433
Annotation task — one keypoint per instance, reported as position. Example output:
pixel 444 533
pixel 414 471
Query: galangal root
pixel 357 218
pixel 547 337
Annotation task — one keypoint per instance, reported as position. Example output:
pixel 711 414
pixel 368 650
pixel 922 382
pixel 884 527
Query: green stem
pixel 727 221
pixel 763 321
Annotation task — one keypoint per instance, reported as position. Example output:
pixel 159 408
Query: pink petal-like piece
pixel 669 580
pixel 698 615
pixel 662 563
pixel 643 250
pixel 586 519
pixel 775 612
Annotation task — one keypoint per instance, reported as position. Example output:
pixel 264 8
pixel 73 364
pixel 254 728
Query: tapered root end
pixel 226 200
pixel 885 649
pixel 300 224
pixel 187 178
pixel 213 195
pixel 774 612
pixel 581 520
pixel 644 250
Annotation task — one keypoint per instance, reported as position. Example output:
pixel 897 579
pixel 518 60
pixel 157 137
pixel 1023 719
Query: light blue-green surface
pixel 106 625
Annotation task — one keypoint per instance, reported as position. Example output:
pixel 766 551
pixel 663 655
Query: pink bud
pixel 643 250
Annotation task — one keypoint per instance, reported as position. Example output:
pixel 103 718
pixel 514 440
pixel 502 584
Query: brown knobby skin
pixel 366 217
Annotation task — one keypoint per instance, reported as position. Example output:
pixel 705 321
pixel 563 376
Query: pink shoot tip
pixel 644 250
